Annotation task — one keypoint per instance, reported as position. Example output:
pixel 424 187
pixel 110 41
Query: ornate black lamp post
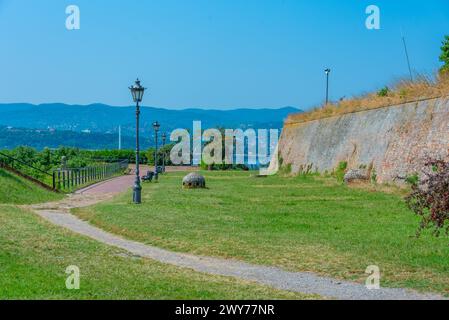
pixel 137 92
pixel 164 138
pixel 156 127
pixel 327 71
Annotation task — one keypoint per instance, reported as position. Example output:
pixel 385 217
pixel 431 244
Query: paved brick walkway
pixel 122 184
pixel 112 186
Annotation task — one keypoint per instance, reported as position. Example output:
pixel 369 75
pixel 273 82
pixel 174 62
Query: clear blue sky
pixel 211 53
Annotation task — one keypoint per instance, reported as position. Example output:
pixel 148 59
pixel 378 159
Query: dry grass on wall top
pixel 402 92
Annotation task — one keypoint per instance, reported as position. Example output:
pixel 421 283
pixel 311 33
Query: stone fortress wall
pixel 394 140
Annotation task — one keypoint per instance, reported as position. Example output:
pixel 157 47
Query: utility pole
pixel 407 56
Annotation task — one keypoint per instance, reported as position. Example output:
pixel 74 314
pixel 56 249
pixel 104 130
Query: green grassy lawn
pixel 34 256
pixel 16 190
pixel 302 224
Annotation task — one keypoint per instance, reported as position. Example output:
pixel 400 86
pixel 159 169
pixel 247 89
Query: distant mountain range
pixel 104 118
pixel 87 126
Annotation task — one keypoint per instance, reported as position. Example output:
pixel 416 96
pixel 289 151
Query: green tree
pixel 149 155
pixel 44 158
pixel 445 54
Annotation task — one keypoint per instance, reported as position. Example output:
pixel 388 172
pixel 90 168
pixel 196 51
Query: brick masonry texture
pixel 395 140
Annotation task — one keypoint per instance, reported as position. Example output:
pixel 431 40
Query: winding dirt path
pixel 59 214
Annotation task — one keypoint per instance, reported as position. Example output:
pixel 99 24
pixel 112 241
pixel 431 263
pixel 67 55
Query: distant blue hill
pixel 100 118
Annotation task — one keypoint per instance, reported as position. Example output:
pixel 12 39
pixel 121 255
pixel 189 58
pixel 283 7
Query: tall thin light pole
pixel 156 127
pixel 156 158
pixel 407 56
pixel 137 92
pixel 164 138
pixel 137 194
pixel 327 71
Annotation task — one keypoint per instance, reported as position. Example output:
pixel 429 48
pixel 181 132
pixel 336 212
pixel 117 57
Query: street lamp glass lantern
pixel 156 126
pixel 137 91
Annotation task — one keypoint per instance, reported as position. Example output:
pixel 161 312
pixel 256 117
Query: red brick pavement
pixel 123 183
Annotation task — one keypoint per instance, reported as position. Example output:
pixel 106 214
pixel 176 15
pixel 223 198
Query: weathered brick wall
pixel 395 140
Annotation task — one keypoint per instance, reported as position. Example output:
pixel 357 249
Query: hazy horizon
pixel 236 108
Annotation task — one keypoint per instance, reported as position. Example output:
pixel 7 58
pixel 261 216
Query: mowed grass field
pixel 304 223
pixel 35 254
pixel 15 190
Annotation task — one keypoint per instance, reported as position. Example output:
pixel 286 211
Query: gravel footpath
pixel 302 282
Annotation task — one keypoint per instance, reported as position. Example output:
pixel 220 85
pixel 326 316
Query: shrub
pixel 341 171
pixel 285 169
pixel 383 92
pixel 412 179
pixel 373 176
pixel 429 198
